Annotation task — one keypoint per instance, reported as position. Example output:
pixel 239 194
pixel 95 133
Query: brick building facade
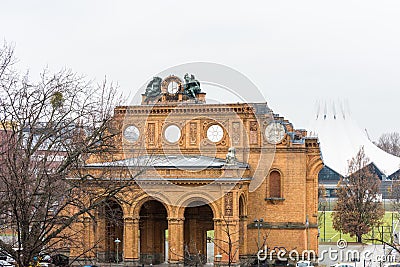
pixel 190 184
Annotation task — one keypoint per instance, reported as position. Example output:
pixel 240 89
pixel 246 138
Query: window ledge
pixel 274 199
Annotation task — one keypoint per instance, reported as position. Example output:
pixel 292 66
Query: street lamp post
pixel 117 241
pixel 258 224
pixel 307 224
pixel 324 224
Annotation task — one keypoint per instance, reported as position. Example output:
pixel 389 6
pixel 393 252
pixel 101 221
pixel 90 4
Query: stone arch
pixel 242 223
pixel 242 205
pixel 189 198
pixel 143 199
pixel 118 199
pixel 314 166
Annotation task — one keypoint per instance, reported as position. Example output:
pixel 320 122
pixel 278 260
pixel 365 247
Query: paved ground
pixel 329 254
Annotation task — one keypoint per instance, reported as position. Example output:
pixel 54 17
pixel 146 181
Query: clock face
pixel 173 87
pixel 131 133
pixel 274 133
pixel 215 133
pixel 172 133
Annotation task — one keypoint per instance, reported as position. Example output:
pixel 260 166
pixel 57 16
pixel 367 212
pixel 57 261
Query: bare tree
pixel 358 207
pixel 322 205
pixel 189 258
pixel 390 142
pixel 48 129
pixel 229 244
pixel 322 202
pixel 393 239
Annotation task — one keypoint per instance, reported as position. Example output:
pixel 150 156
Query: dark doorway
pixel 198 220
pixel 111 223
pixel 152 226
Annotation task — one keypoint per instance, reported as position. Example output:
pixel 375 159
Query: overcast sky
pixel 296 52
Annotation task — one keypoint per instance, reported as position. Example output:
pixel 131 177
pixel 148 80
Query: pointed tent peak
pixel 395 175
pixel 341 138
pixel 373 168
pixel 332 110
pixel 328 174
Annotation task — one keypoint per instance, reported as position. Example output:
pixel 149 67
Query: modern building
pixel 341 139
pixel 215 182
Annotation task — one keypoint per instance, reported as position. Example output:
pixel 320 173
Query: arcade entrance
pixel 198 221
pixel 110 226
pixel 152 226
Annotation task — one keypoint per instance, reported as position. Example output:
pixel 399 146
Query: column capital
pixel 176 219
pixel 131 219
pixel 243 217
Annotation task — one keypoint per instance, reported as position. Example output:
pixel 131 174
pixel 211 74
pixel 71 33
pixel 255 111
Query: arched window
pixel 275 184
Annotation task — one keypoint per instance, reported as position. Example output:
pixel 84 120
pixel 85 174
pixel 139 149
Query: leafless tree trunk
pixel 191 259
pixel 358 207
pixel 230 243
pixel 394 241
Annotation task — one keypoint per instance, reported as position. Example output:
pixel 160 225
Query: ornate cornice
pixel 186 108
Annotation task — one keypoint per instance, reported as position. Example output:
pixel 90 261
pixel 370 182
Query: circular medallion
pixel 215 133
pixel 173 87
pixel 172 133
pixel 171 84
pixel 131 133
pixel 274 133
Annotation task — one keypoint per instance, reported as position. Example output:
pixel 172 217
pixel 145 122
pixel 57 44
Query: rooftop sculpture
pixel 153 89
pixel 173 89
pixel 191 86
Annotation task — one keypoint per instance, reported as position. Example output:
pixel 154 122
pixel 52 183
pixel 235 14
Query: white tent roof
pixel 340 139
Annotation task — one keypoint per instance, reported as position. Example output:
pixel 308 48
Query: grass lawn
pixel 332 235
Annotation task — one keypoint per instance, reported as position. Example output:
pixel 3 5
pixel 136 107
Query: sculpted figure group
pixel 191 87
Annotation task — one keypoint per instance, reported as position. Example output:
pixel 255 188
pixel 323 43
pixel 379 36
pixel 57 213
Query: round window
pixel 274 133
pixel 215 133
pixel 131 133
pixel 172 133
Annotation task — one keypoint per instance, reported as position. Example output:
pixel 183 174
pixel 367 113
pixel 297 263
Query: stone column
pixel 128 239
pixel 175 240
pixel 217 238
pixel 100 238
pixel 130 236
pixel 88 245
pixel 243 235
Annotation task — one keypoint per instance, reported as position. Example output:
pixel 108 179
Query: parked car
pixel 349 264
pixel 392 264
pixel 304 264
pixel 60 260
pixel 280 263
